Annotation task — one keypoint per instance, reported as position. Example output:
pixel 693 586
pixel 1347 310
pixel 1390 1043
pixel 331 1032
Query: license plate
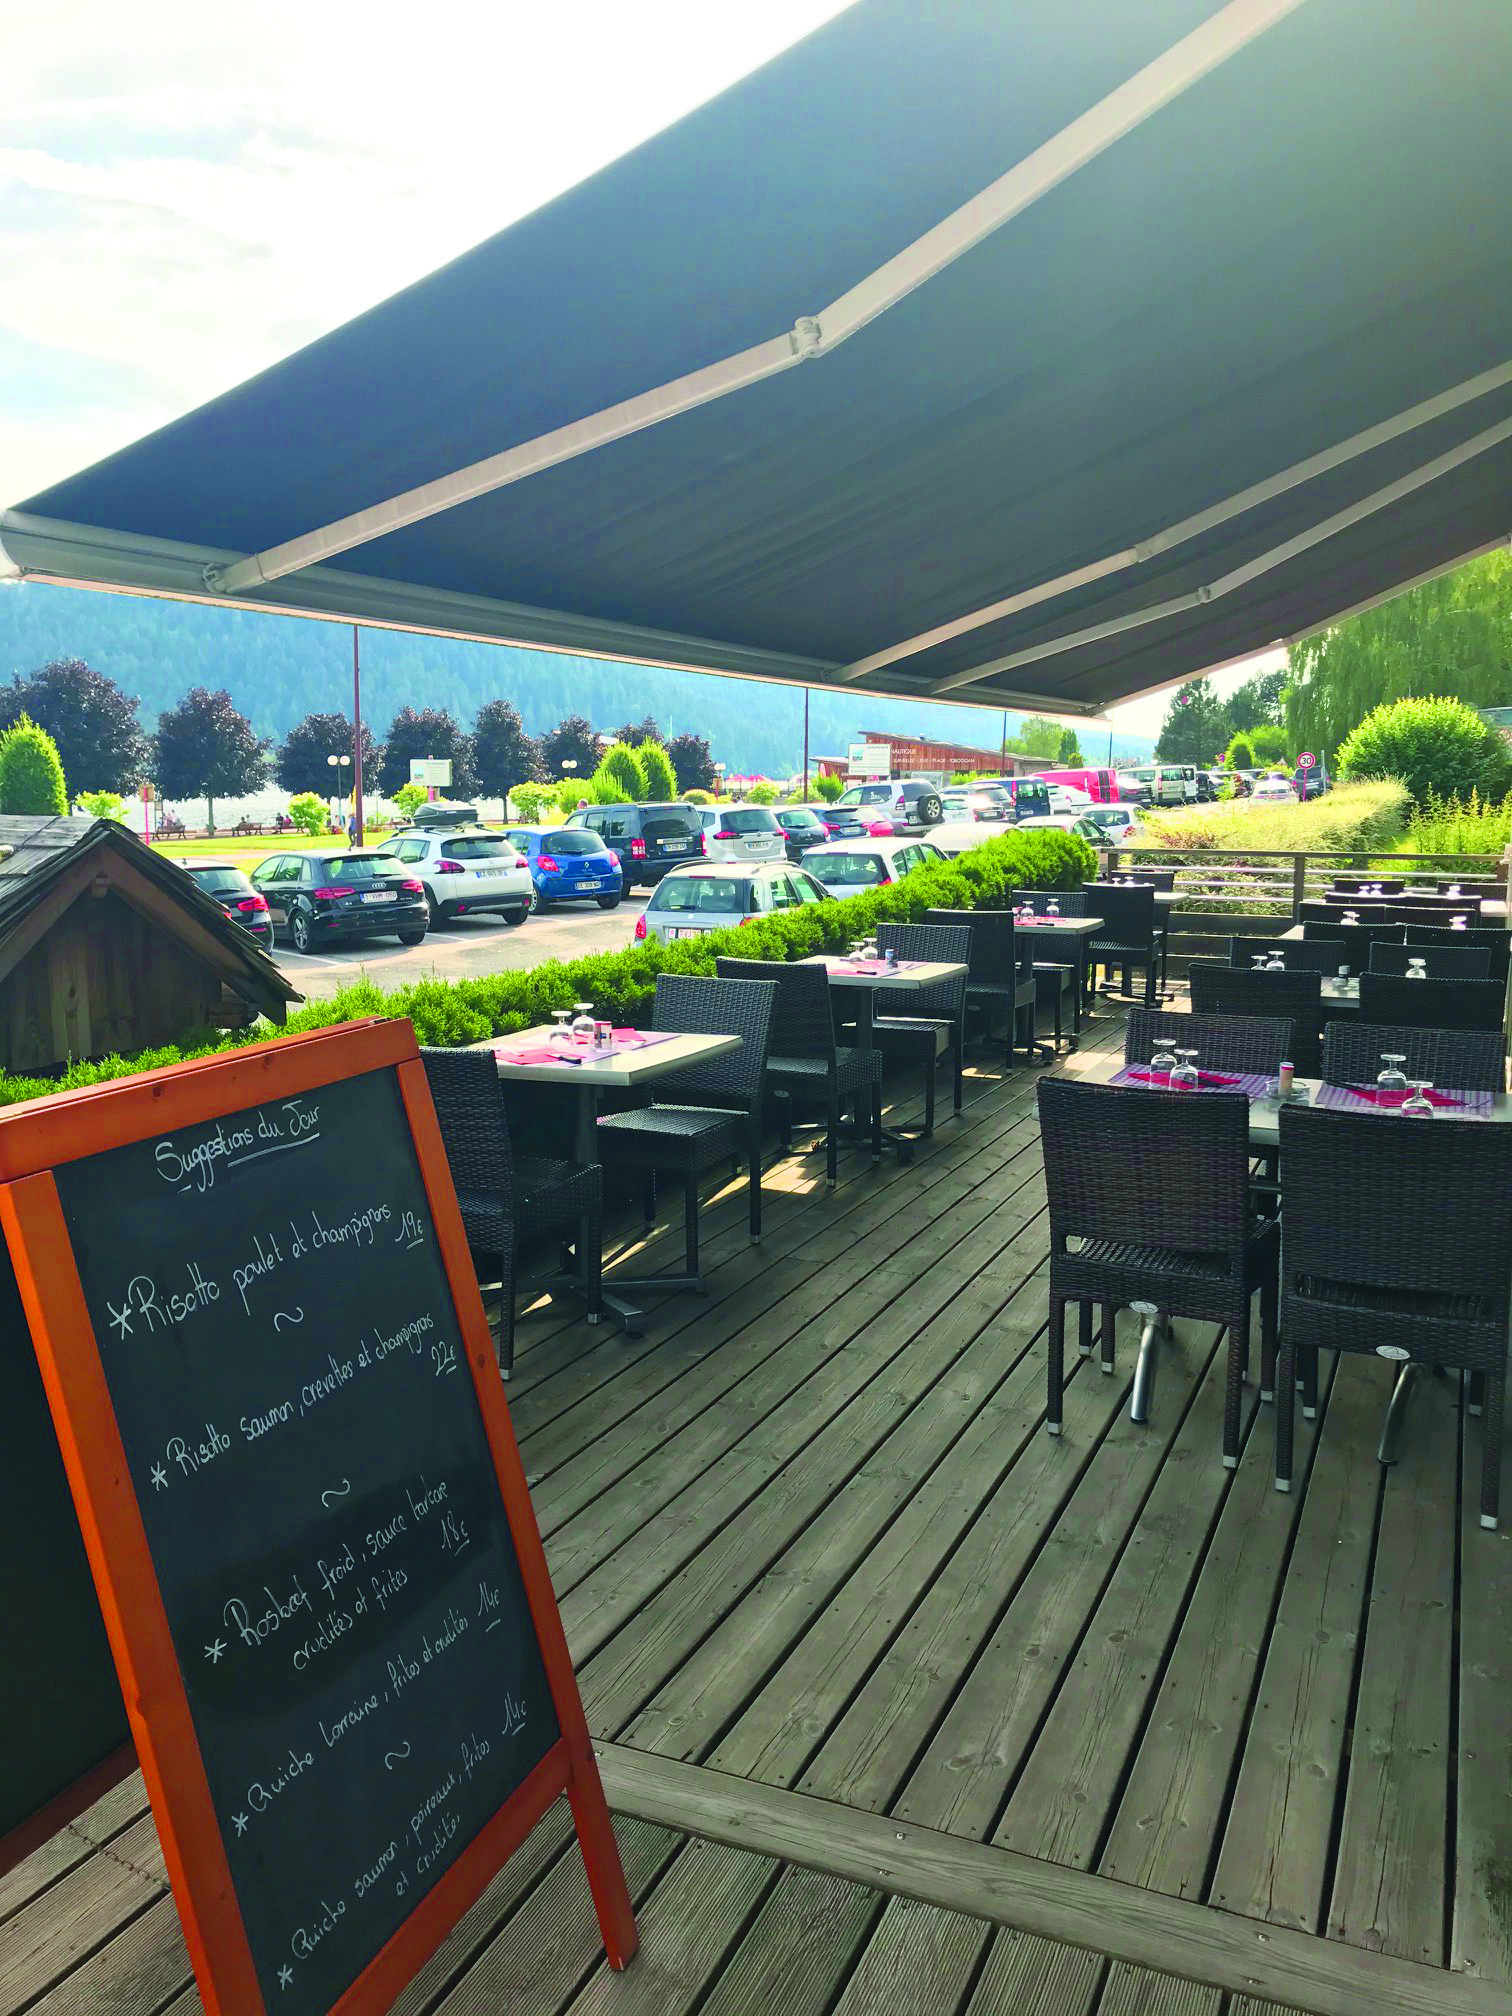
pixel 675 846
pixel 684 931
pixel 380 896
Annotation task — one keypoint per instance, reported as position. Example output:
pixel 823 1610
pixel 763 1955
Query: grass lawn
pixel 248 849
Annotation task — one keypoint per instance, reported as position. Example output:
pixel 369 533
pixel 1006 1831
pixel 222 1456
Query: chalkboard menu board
pixel 285 1363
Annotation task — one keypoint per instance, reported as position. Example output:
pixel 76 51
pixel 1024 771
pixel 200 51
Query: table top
pixel 1068 927
pixel 623 1068
pixel 910 975
pixel 1165 899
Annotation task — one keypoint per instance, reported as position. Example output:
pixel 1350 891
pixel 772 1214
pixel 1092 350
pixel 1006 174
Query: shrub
pixel 762 794
pixel 1240 754
pixel 1354 819
pixel 1455 826
pixel 621 985
pixel 1270 746
pixel 410 797
pixel 532 800
pixel 656 767
pixel 697 797
pixel 619 777
pixel 1438 747
pixel 102 804
pixel 827 787
pixel 308 813
pixel 31 772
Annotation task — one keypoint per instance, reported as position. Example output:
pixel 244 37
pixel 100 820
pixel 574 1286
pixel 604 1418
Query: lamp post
pixel 339 764
pixel 719 777
pixel 569 764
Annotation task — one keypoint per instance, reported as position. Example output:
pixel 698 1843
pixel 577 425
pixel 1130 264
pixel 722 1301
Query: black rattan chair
pixel 803 1059
pixel 1150 878
pixel 1356 939
pixel 702 1116
pixel 1442 962
pixel 510 1200
pixel 1298 955
pixel 1257 1043
pixel 1348 885
pixel 1000 973
pixel 1432 1004
pixel 1294 997
pixel 1149 1203
pixel 1485 937
pixel 1432 915
pixel 1382 1256
pixel 1130 936
pixel 1465 1060
pixel 1474 887
pixel 940 1024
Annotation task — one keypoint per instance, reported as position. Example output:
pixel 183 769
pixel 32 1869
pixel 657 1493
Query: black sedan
pixel 802 828
pixel 229 885
pixel 324 899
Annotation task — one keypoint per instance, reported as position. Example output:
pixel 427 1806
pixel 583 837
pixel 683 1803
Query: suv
pixel 465 869
pixel 320 899
pixel 912 803
pixel 647 839
pixel 742 833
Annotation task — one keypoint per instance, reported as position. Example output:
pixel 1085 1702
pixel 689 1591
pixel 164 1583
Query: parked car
pixel 569 864
pixel 1273 789
pixel 957 835
pixel 844 866
pixel 1071 822
pixel 858 822
pixel 715 895
pixel 741 833
pixel 802 827
pixel 647 840
pixel 232 889
pixel 324 899
pixel 1311 783
pixel 1118 824
pixel 911 803
pixel 972 801
pixel 466 869
pixel 1066 798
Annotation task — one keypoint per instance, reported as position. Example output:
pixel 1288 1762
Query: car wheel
pixel 930 811
pixel 411 937
pixel 299 930
pixel 608 902
pixel 517 916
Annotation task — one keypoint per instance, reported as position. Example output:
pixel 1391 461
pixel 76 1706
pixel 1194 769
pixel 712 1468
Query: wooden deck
pixel 835 1598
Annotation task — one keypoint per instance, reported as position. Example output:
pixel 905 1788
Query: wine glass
pixel 1052 908
pixel 1453 889
pixel 1259 961
pixel 1418 1104
pixel 1351 916
pixel 561 1017
pixel 1457 923
pixel 1417 969
pixel 1184 1077
pixel 1276 963
pixel 582 1023
pixel 1163 1063
pixel 1393 1078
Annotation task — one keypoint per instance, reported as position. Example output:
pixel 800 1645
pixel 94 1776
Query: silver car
pixel 742 833
pixel 712 896
pixel 845 867
pixel 464 870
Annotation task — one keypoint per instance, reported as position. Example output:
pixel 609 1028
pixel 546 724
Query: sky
pixel 188 193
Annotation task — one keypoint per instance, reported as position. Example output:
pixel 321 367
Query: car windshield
pixel 358 868
pixel 572 840
pixel 859 868
pixel 748 819
pixel 669 822
pixel 478 847
pixel 221 881
pixel 701 892
pixel 799 821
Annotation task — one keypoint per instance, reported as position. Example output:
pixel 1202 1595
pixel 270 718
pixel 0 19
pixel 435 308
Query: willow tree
pixel 1452 636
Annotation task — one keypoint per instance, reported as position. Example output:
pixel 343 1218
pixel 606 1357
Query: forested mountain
pixel 279 668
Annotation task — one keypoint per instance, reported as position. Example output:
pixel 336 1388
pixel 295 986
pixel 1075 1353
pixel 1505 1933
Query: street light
pixel 338 764
pixel 569 762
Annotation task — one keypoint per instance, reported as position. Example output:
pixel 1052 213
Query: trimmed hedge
pixel 622 985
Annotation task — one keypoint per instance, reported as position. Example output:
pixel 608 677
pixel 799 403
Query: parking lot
pixel 467 946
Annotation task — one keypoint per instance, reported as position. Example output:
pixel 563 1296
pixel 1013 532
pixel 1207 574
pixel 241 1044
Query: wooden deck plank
pixel 1481 1941
pixel 1389 1892
pixel 799 1949
pixel 1273 1860
pixel 1135 1991
pixel 136 1974
pixel 110 1815
pixel 1025 1976
pixel 919 1958
pixel 80 1911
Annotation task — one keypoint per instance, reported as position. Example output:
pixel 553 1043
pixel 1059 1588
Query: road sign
pixel 1306 760
pixel 432 770
pixel 868 759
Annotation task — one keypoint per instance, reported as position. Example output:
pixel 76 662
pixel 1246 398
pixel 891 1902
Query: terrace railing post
pixel 1299 885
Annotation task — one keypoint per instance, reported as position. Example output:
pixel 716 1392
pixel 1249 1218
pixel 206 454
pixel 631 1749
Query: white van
pixel 1166 783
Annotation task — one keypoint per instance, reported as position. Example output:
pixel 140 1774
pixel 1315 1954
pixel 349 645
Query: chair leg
pixel 591 1263
pixel 1270 1295
pixel 832 1140
pixel 785 1120
pixel 876 1119
pixel 958 1042
pixel 690 1223
pixel 648 1197
pixel 1310 1385
pixel 1475 1398
pixel 754 1185
pixel 1286 1401
pixel 1233 1394
pixel 931 1073
pixel 1084 1329
pixel 1055 1351
pixel 1057 1013
pixel 1109 1318
pixel 1490 1505
pixel 1150 981
pixel 507 1325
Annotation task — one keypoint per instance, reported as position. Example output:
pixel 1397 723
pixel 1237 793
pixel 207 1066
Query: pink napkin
pixel 1374 1096
pixel 1164 1077
pixel 555 1054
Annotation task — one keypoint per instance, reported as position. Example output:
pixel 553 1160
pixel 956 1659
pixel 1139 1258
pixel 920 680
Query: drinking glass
pixel 1417 969
pixel 869 949
pixel 1275 964
pixel 1393 1078
pixel 603 1036
pixel 1259 960
pixel 1418 1104
pixel 1184 1077
pixel 582 1023
pixel 1164 1060
pixel 1456 923
pixel 561 1017
pixel 1052 908
pixel 1453 889
pixel 1351 916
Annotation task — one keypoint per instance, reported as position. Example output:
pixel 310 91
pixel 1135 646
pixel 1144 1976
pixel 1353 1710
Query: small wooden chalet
pixel 106 946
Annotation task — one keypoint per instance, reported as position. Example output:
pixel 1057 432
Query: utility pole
pixel 1003 747
pixel 804 793
pixel 357 738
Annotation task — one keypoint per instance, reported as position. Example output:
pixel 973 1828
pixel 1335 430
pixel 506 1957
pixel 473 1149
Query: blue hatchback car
pixel 569 864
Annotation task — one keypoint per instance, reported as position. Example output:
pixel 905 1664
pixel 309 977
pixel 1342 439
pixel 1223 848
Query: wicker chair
pixel 1468 1060
pixel 1296 997
pixel 1154 1191
pixel 1356 939
pixel 1056 977
pixel 1475 887
pixel 1432 1004
pixel 940 1024
pixel 803 1059
pixel 1255 1043
pixel 1000 973
pixel 1443 962
pixel 1348 886
pixel 1150 878
pixel 705 1115
pixel 1298 955
pixel 509 1200
pixel 1382 1255
pixel 1485 937
pixel 1129 936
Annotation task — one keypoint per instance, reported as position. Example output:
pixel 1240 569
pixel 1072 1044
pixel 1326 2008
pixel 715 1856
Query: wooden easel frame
pixel 35 1138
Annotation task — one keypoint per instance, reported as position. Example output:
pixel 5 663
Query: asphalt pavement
pixel 466 947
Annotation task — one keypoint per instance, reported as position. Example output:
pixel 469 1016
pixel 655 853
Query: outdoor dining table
pixel 868 978
pixel 1080 930
pixel 636 1057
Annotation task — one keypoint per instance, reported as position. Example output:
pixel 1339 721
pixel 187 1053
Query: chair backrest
pixel 1298 955
pixel 1432 1004
pixel 1233 990
pixel 996 958
pixel 1071 902
pixel 1149 1168
pixel 1465 1060
pixel 1357 939
pixel 1128 914
pixel 1474 886
pixel 1421 913
pixel 802 1024
pixel 1224 1042
pixel 949 944
pixel 1350 885
pixel 1496 941
pixel 469 1103
pixel 1148 878
pixel 1390 1203
pixel 1443 962
pixel 701 1004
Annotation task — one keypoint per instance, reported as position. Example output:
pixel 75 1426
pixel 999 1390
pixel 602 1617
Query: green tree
pixel 426 731
pixel 1452 636
pixel 308 812
pixel 204 749
pixel 1271 746
pixel 828 785
pixel 103 805
pixel 1257 703
pixel 93 723
pixel 534 802
pixel 31 775
pixel 410 797
pixel 661 778
pixel 1240 754
pixel 503 754
pixel 693 762
pixel 636 733
pixel 1196 726
pixel 1068 755
pixel 574 739
pixel 1038 737
pixel 620 774
pixel 1439 748
pixel 301 765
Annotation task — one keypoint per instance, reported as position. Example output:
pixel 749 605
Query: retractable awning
pixel 1005 353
